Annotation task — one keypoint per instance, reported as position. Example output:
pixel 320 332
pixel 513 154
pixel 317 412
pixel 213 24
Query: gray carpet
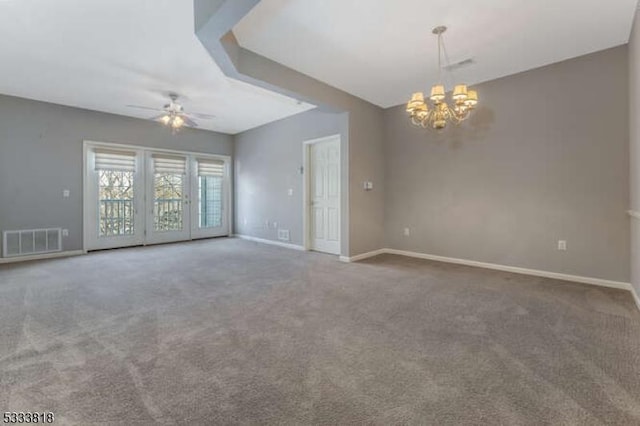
pixel 232 332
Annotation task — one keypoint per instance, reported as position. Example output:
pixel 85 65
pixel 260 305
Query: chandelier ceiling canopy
pixel 439 113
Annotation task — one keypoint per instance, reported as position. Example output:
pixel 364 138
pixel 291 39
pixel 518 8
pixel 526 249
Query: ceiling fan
pixel 173 114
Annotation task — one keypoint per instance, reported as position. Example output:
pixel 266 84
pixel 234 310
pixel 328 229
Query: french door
pixel 136 196
pixel 167 198
pixel 114 185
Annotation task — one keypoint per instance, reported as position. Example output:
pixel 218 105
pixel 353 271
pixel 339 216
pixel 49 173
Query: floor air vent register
pixel 30 242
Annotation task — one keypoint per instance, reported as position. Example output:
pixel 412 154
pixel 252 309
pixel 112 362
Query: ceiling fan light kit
pixel 437 115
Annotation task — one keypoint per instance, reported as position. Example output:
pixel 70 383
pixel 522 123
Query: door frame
pixel 89 144
pixel 306 187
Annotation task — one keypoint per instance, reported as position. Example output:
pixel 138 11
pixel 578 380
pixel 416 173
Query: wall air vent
pixel 31 241
pixel 459 65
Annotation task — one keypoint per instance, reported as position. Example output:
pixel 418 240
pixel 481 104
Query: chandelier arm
pixel 459 118
pixel 451 115
pixel 427 119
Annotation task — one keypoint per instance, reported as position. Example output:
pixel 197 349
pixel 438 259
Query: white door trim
pixel 306 181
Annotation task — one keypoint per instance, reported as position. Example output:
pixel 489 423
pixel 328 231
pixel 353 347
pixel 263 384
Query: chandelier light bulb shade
pixel 464 100
pixel 460 92
pixel 437 93
pixel 416 102
pixel 472 99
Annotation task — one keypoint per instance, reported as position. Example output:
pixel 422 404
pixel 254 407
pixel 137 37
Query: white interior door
pixel 167 198
pixel 114 191
pixel 324 187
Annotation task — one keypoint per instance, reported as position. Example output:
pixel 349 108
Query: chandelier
pixel 440 113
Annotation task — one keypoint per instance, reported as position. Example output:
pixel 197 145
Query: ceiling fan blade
pixel 190 122
pixel 144 107
pixel 157 117
pixel 203 116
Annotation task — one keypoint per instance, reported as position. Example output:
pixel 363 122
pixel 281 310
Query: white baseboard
pixel 635 297
pixel 516 270
pixel 497 267
pixel 41 256
pixel 271 242
pixel 362 256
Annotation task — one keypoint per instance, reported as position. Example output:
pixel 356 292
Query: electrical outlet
pixel 283 234
pixel 65 232
pixel 407 232
pixel 275 225
pixel 290 192
pixel 66 193
pixel 562 245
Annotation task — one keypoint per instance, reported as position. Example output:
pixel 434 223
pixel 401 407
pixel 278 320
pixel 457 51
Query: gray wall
pixel 362 145
pixel 41 155
pixel 267 162
pixel 363 148
pixel 634 91
pixel 544 158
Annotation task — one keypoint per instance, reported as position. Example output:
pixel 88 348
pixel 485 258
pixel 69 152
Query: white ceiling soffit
pixel 383 50
pixel 105 54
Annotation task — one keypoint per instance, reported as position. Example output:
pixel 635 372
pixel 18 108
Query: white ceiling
pixel 383 50
pixel 106 54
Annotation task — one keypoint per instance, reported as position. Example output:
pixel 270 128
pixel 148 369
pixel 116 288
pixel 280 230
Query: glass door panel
pixel 168 202
pixel 115 203
pixel 167 192
pixel 210 202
